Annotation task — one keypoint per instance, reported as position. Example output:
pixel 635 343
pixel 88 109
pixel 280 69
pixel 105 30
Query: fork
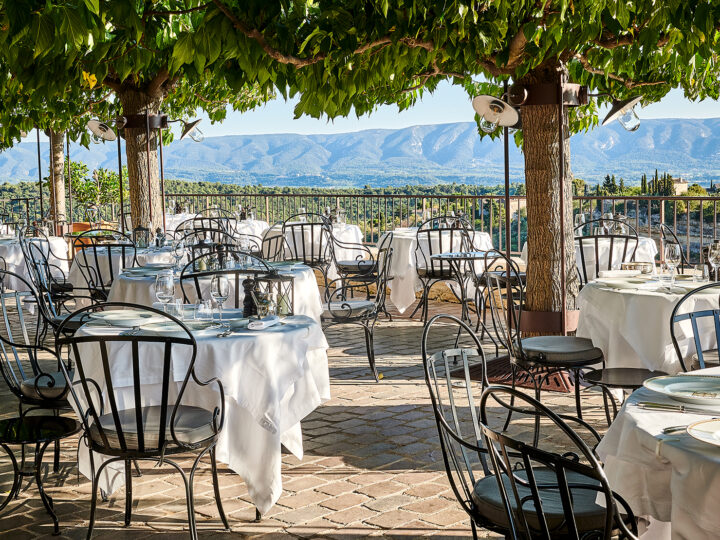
pixel 226 333
pixel 131 332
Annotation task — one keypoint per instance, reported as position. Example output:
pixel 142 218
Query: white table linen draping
pixel 144 256
pixel 141 290
pixel 645 252
pixel 403 267
pixel 272 380
pixel 254 227
pixel 346 233
pixel 173 220
pixel 632 326
pixel 672 479
pixel 55 249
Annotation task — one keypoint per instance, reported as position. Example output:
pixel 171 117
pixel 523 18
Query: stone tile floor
pixel 372 465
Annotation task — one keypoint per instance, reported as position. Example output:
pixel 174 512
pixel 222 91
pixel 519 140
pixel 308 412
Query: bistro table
pixel 272 379
pixel 55 249
pixel 460 261
pixel 403 267
pixel 645 252
pixel 632 325
pixel 140 289
pixel 671 478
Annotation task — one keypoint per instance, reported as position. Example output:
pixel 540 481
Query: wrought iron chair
pixel 101 259
pixel 668 236
pixel 35 381
pixel 46 276
pixel 272 247
pixel 619 248
pixel 438 235
pixel 538 357
pixel 531 490
pixel 203 241
pixel 121 424
pixel 340 308
pixel 699 325
pixel 308 239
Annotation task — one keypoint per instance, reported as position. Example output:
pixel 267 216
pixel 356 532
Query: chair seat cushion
pixel 192 426
pixel 356 267
pixel 561 350
pixel 58 288
pixel 629 378
pixel 347 309
pixel 52 386
pixel 589 515
pixel 437 272
pixel 710 359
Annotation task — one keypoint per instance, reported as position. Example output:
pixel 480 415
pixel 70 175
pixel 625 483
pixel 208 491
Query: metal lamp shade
pixel 191 130
pixel 495 110
pixel 101 130
pixel 619 108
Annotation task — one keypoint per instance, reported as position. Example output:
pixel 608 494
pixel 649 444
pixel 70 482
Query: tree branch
pixel 176 11
pixel 435 72
pixel 628 83
pixel 155 85
pixel 112 83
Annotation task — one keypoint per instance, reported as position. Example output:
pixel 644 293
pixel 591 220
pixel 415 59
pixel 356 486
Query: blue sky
pixel 448 104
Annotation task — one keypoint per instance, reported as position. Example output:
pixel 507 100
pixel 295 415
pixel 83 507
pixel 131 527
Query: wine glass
pixel 714 257
pixel 579 224
pixel 178 252
pixel 219 291
pixel 607 222
pixel 672 259
pixel 165 288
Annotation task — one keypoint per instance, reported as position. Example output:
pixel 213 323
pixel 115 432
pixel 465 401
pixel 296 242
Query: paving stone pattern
pixel 372 465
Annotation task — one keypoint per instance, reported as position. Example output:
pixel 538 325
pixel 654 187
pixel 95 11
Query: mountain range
pixel 414 155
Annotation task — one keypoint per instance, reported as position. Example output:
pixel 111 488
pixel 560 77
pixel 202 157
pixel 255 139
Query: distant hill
pixel 414 155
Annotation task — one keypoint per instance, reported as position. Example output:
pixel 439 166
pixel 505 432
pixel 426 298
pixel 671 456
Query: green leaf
pixel 43 33
pixel 93 6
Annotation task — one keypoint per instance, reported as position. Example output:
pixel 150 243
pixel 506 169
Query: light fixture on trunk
pixel 191 130
pixel 494 112
pixel 102 132
pixel 623 110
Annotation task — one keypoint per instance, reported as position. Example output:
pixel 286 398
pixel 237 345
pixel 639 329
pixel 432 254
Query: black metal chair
pixel 437 235
pixel 539 357
pixel 341 308
pixel 531 490
pixel 699 325
pixel 593 246
pixel 101 254
pixel 46 276
pixel 272 247
pixel 120 424
pixel 668 236
pixel 308 239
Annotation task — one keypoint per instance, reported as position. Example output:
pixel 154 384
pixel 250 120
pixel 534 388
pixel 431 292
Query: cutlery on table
pixel 131 332
pixel 649 405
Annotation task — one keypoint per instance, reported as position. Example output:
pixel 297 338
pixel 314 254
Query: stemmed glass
pixel 672 259
pixel 165 288
pixel 579 224
pixel 607 223
pixel 714 257
pixel 219 291
pixel 178 252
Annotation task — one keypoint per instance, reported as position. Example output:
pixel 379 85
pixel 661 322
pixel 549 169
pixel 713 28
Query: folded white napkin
pixel 618 273
pixel 262 324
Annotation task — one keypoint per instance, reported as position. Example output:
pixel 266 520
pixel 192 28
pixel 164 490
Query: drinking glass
pixel 164 288
pixel 607 223
pixel 178 252
pixel 579 224
pixel 219 291
pixel 701 274
pixel 302 210
pixel 203 310
pixel 672 258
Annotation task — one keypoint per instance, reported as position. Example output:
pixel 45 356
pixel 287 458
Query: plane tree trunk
pixel 56 181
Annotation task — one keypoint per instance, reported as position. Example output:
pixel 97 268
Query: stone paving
pixel 372 465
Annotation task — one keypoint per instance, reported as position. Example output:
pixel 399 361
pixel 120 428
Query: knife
pixel 675 408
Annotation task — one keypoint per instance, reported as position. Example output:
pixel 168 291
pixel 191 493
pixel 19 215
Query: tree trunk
pixel 57 177
pixel 544 215
pixel 145 205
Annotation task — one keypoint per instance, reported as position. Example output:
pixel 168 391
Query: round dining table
pixel 140 289
pixel 403 267
pixel 632 325
pixel 272 379
pixel 667 477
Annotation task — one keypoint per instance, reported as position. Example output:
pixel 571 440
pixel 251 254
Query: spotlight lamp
pixel 624 112
pixel 191 130
pixel 100 131
pixel 494 112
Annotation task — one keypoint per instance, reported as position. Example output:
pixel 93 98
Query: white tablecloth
pixel 255 227
pixel 272 380
pixel 144 256
pixel 141 290
pixel 645 252
pixel 670 478
pixel 632 327
pixel 403 267
pixel 11 251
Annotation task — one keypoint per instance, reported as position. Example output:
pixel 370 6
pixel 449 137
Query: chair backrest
pixel 668 236
pixel 273 244
pixel 41 260
pixel 542 490
pixel 452 354
pixel 21 339
pixel 100 259
pixel 437 235
pixel 505 293
pixel 308 238
pixel 147 358
pixel 604 251
pixel 690 329
pixel 358 252
pixel 195 283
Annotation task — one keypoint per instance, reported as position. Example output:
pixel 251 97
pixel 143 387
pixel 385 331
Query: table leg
pixel 46 499
pixel 16 477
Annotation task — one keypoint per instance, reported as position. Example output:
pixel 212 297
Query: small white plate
pixel 706 431
pixel 698 389
pixel 125 318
